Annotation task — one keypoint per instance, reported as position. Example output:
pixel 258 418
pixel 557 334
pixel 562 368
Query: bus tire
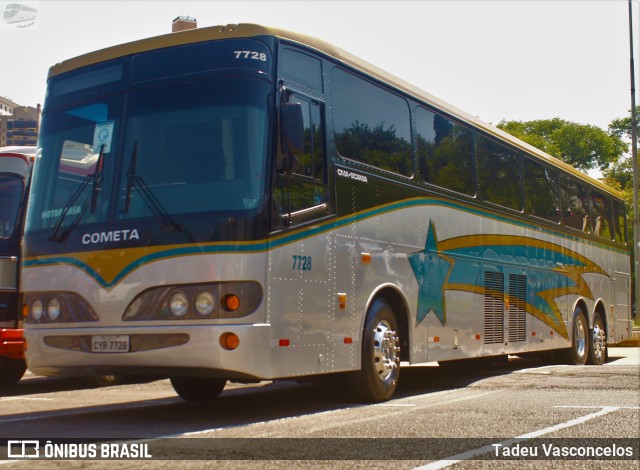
pixel 598 343
pixel 379 372
pixel 198 388
pixel 11 372
pixel 579 351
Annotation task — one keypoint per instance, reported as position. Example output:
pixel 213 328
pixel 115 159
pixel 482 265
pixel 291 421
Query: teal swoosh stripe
pixel 263 245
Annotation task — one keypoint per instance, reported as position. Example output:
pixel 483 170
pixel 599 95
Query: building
pixel 18 124
pixel 6 106
pixel 182 23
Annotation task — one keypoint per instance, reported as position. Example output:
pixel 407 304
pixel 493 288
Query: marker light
pixel 178 304
pixel 204 303
pixel 37 310
pixel 231 302
pixel 229 341
pixel 53 308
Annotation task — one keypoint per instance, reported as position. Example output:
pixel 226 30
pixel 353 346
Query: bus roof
pixel 27 150
pixel 16 161
pixel 251 30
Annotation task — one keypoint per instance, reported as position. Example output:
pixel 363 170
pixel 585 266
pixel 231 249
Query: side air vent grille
pixel 517 308
pixel 493 307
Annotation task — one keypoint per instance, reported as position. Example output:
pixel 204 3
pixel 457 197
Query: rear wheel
pixel 579 350
pixel 198 388
pixel 379 372
pixel 598 343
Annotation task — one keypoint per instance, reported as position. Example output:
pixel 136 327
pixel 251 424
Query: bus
pixel 267 206
pixel 18 13
pixel 15 171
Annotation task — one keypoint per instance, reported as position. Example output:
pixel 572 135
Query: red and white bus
pixel 15 171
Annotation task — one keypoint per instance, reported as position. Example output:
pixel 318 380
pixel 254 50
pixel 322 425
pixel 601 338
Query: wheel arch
pixel 398 302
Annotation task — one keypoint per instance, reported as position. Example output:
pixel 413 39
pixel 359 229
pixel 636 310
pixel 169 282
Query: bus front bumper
pixel 197 350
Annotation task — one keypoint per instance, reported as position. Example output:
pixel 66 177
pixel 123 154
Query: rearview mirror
pixel 292 128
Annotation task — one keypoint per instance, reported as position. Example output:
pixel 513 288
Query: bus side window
pixel 541 197
pixel 372 124
pixel 445 152
pixel 499 172
pixel 574 205
pixel 600 215
pixel 619 221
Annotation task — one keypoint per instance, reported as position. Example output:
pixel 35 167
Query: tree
pixel 620 174
pixel 622 126
pixel 582 146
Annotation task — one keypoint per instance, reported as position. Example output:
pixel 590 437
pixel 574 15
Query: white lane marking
pixel 598 406
pixel 90 409
pixel 25 398
pixel 396 405
pixel 492 447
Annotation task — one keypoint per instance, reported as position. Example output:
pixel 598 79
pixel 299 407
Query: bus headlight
pixel 178 304
pixel 53 309
pixel 204 303
pixel 37 310
pixel 57 307
pixel 235 299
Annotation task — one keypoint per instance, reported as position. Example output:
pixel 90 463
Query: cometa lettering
pixel 111 236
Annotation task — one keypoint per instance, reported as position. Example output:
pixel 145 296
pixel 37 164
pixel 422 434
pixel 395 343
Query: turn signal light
pixel 229 341
pixel 231 302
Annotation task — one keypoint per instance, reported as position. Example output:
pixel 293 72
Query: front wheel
pixel 579 350
pixel 198 388
pixel 12 372
pixel 379 372
pixel 598 343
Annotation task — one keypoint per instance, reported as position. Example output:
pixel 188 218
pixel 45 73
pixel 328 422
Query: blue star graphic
pixel 432 271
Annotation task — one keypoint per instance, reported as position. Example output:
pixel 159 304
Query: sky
pixel 503 59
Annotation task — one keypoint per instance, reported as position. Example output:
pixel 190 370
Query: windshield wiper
pixel 150 199
pixel 56 234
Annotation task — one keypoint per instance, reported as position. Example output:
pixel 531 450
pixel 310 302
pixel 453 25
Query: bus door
pixel 300 258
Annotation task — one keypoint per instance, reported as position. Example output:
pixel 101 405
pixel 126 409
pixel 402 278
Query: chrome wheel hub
pixel 581 338
pixel 386 350
pixel 599 343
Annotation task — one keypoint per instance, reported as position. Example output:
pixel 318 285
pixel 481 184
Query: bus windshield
pixel 187 147
pixel 11 188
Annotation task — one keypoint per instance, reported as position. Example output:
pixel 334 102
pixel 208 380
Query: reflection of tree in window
pixel 445 153
pixel 300 182
pixel 498 174
pixel 574 204
pixel 540 189
pixel 600 215
pixel 619 221
pixel 377 147
pixel 372 125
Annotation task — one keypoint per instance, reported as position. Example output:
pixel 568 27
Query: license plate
pixel 110 344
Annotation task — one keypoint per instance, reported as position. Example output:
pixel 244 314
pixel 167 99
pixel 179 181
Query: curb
pixel 632 342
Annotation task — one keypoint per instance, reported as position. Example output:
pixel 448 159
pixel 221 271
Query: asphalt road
pixel 440 418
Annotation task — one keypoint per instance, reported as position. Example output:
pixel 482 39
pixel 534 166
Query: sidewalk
pixel 633 342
